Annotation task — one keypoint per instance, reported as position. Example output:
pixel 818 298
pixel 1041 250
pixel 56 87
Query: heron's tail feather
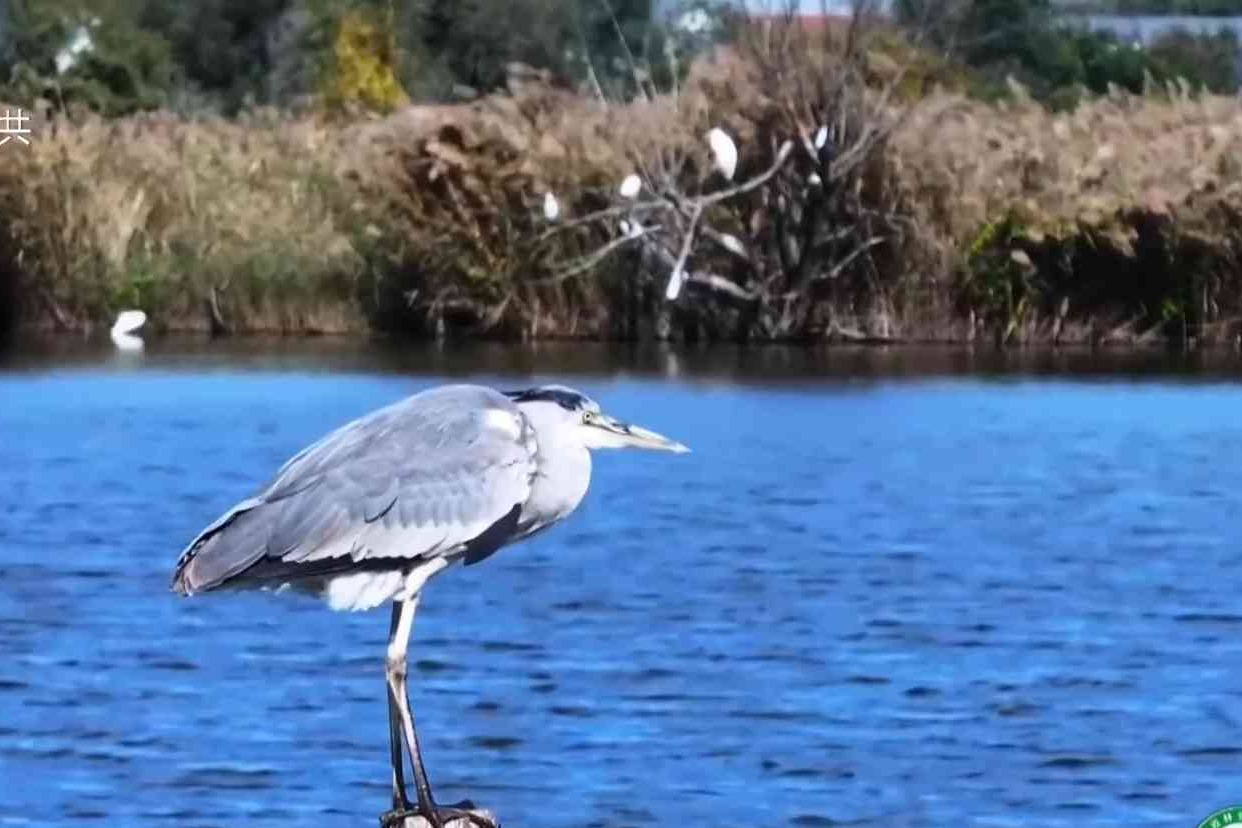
pixel 230 545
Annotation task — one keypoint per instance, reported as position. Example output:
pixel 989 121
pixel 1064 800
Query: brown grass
pixel 1121 216
pixel 971 162
pixel 162 213
pixel 463 192
pixel 1120 219
pixel 466 184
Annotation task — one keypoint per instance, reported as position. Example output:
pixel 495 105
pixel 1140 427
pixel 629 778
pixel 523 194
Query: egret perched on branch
pixel 733 244
pixel 724 152
pixel 551 207
pixel 630 229
pixel 122 333
pixel 673 289
pixel 631 186
pixel 376 508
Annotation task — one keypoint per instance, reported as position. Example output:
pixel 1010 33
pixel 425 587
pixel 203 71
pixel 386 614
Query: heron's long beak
pixel 624 435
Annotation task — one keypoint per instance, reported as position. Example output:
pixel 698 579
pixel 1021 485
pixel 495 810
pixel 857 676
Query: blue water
pixel 956 600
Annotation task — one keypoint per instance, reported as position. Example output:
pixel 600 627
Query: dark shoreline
pixel 760 362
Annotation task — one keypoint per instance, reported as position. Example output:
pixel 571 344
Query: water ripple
pixel 932 603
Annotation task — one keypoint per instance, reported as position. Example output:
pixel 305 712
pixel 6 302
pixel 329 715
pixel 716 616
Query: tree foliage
pixel 1216 8
pixel 1057 60
pixel 1209 60
pixel 119 68
pixel 219 46
pixel 364 63
pixel 470 43
pixel 226 54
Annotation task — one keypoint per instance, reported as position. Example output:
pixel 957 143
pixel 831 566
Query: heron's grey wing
pixel 424 477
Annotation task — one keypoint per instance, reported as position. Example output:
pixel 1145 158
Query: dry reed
pixel 1117 220
pixel 242 223
pixel 1121 215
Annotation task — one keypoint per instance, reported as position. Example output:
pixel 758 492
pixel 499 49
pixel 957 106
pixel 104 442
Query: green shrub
pixel 1029 41
pixel 1207 61
pixel 124 69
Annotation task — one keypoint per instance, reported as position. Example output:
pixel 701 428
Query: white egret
pixel 695 21
pixel 123 329
pixel 724 151
pixel 631 186
pixel 733 244
pixel 67 58
pixel 674 285
pixel 551 207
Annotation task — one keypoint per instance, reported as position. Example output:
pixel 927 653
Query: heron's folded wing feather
pixel 420 478
pixel 420 515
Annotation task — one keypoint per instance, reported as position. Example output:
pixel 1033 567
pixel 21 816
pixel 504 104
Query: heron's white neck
pixel 563 463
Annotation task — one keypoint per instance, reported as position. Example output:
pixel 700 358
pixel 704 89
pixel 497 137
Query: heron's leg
pixel 400 801
pixel 398 645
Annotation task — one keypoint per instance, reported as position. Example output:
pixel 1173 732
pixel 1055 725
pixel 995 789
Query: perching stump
pixel 419 822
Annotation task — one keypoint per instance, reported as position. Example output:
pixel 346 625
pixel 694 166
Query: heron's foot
pixel 396 817
pixel 463 814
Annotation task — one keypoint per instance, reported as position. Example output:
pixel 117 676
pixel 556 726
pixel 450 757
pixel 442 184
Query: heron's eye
pixel 588 417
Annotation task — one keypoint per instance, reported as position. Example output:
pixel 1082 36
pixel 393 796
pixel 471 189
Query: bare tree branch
pixel 721 284
pixel 629 55
pixel 607 212
pixel 726 243
pixel 844 263
pixel 782 155
pixel 687 242
pixel 587 262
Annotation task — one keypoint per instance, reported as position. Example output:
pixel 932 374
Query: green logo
pixel 1224 817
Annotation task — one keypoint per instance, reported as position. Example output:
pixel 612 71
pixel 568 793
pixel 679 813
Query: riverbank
pixel 514 364
pixel 1117 222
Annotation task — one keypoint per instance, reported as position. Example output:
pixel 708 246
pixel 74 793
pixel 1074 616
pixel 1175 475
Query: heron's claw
pixel 396 817
pixel 444 816
pixel 465 810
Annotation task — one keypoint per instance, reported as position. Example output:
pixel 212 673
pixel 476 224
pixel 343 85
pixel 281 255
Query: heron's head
pixel 572 415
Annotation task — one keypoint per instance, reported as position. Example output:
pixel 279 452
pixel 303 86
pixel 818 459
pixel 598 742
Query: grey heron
pixel 374 509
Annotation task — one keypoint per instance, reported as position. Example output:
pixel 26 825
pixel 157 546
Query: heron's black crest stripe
pixel 565 398
pixel 493 537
